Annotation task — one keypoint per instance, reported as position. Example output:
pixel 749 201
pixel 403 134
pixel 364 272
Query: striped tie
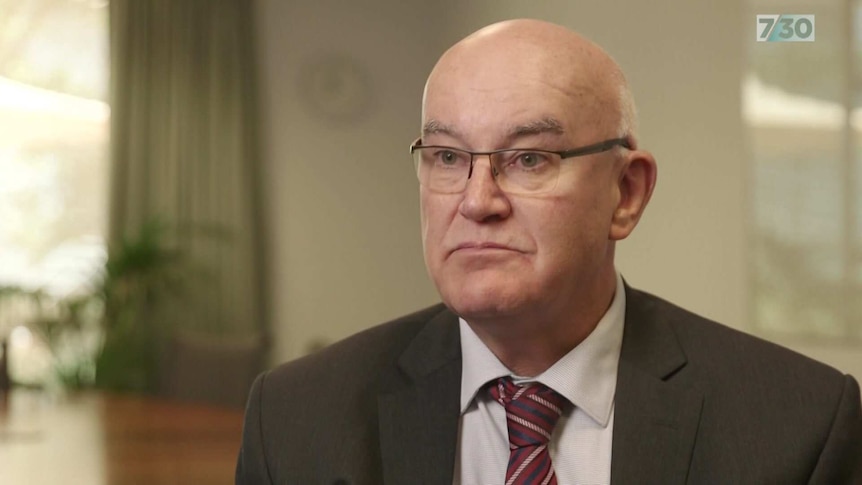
pixel 531 413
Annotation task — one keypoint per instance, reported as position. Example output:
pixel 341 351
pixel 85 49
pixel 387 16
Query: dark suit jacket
pixel 696 402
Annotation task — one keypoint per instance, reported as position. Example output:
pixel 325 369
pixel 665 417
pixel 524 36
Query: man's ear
pixel 636 183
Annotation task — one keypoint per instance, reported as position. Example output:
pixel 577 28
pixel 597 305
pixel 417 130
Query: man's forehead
pixel 521 101
pixel 514 108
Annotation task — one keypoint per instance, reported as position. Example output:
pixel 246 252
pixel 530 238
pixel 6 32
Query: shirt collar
pixel 586 375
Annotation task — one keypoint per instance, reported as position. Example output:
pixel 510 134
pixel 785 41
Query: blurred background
pixel 191 192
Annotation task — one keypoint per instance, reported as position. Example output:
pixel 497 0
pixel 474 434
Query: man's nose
pixel 483 199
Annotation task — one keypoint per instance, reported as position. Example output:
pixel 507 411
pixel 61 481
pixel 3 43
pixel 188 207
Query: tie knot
pixel 532 410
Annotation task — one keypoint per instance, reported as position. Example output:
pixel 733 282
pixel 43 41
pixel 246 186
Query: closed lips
pixel 483 245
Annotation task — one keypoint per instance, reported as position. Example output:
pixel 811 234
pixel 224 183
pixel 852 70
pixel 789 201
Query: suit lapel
pixel 419 415
pixel 655 416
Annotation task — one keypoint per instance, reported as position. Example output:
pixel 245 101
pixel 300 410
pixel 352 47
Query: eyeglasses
pixel 517 170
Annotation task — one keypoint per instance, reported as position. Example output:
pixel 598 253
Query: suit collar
pixel 436 345
pixel 418 417
pixel 656 417
pixel 649 342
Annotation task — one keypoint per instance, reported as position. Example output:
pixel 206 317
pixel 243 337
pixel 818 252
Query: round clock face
pixel 335 87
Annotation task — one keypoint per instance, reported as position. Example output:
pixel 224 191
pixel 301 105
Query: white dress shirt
pixel 580 445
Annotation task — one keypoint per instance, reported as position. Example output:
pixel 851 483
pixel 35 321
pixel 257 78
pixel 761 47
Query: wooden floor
pixel 102 439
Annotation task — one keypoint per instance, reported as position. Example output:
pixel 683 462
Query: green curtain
pixel 185 151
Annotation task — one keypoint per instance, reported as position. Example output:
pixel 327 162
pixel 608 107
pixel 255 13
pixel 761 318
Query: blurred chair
pixel 212 370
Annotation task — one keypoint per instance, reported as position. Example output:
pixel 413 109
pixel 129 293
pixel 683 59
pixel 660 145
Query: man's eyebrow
pixel 538 127
pixel 434 127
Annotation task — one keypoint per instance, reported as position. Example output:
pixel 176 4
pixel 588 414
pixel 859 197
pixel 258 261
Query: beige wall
pixel 343 205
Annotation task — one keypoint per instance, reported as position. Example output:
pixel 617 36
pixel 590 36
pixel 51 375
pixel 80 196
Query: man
pixel 543 366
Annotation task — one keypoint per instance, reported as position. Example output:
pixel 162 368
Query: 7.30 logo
pixel 785 28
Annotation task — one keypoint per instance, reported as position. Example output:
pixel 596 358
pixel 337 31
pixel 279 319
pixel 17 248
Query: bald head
pixel 519 58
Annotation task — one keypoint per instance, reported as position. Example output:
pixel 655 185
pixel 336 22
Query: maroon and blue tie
pixel 532 412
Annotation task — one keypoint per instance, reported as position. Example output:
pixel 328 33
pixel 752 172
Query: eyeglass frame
pixel 599 147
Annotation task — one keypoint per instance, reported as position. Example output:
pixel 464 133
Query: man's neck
pixel 530 343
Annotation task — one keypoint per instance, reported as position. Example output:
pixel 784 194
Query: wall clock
pixel 335 87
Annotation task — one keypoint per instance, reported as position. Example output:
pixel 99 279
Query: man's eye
pixel 530 159
pixel 448 157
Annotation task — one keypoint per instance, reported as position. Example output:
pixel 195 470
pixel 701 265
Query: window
pixel 801 105
pixel 53 154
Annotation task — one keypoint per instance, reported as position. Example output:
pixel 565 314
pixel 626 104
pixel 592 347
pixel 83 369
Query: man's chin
pixel 484 304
